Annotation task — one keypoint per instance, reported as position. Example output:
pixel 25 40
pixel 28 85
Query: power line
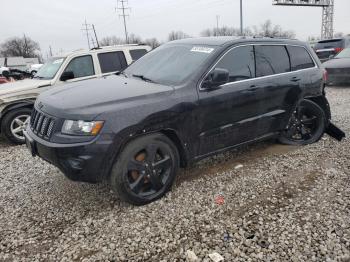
pixel 123 9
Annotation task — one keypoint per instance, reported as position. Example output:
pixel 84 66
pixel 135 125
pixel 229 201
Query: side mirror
pixel 331 56
pixel 216 78
pixel 68 75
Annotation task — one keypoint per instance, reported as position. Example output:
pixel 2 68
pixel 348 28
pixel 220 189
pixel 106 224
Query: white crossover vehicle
pixel 17 99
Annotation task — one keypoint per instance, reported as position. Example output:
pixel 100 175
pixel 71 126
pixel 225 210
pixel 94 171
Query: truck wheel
pixel 306 126
pixel 14 123
pixel 145 169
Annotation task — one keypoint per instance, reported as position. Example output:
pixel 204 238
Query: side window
pixel 81 66
pixel 112 61
pixel 299 58
pixel 271 60
pixel 239 62
pixel 137 53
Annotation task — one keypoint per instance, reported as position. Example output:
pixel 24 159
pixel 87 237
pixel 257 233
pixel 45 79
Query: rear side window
pixel 271 60
pixel 112 62
pixel 300 58
pixel 137 53
pixel 81 66
pixel 239 62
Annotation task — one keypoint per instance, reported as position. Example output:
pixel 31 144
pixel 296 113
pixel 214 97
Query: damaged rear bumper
pixel 335 132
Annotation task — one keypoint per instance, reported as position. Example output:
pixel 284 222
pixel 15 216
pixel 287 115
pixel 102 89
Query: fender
pixel 16 105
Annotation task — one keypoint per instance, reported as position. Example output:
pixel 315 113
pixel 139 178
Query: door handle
pixel 253 88
pixel 295 79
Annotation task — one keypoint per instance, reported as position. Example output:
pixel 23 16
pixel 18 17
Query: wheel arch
pixel 322 102
pixel 16 105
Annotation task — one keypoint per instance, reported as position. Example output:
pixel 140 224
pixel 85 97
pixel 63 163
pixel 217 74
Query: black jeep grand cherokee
pixel 180 103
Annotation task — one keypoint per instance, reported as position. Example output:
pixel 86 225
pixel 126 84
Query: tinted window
pixel 81 66
pixel 239 62
pixel 112 62
pixel 271 60
pixel 137 53
pixel 299 58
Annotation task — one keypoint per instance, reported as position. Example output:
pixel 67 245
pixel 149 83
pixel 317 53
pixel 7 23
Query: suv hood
pixel 93 97
pixel 22 85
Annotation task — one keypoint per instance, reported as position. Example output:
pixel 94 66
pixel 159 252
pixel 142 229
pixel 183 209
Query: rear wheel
pixel 145 170
pixel 306 126
pixel 14 123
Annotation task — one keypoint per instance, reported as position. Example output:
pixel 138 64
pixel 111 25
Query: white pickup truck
pixel 17 99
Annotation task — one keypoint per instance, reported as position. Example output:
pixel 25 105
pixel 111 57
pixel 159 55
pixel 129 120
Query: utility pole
pixel 51 55
pixel 123 8
pixel 217 23
pixel 25 46
pixel 241 17
pixel 86 29
pixel 98 44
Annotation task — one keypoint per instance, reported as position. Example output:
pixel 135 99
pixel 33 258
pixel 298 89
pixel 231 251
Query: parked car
pixel 17 99
pixel 326 49
pixel 338 68
pixel 180 103
pixel 4 69
pixel 33 69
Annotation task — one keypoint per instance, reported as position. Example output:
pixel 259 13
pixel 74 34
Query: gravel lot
pixel 284 204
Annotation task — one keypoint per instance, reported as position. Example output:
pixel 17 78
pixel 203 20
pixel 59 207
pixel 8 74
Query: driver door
pixel 227 113
pixel 82 67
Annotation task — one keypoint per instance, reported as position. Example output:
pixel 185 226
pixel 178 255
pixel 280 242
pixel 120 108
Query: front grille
pixel 42 124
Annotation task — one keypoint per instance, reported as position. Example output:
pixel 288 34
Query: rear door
pixel 277 87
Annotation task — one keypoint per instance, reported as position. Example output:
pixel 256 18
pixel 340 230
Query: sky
pixel 59 23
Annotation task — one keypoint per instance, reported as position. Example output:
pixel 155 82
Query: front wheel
pixel 14 123
pixel 145 169
pixel 306 126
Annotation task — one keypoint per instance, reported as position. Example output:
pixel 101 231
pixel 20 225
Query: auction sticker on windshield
pixel 58 61
pixel 202 49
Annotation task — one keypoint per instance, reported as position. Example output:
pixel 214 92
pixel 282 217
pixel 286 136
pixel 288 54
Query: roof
pixel 2 61
pixel 16 61
pixel 30 61
pixel 229 40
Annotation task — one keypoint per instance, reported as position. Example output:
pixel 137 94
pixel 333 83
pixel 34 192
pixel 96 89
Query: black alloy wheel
pixel 146 169
pixel 306 126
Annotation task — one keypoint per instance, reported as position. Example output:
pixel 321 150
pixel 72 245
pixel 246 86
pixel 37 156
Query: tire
pixel 306 126
pixel 134 178
pixel 9 125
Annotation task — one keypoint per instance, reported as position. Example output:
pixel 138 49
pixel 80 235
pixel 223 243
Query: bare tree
pixel 17 46
pixel 175 35
pixel 134 39
pixel 152 42
pixel 111 40
pixel 226 31
pixel 267 29
pixel 339 34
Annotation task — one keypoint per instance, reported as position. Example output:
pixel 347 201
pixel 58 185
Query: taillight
pixel 325 75
pixel 338 49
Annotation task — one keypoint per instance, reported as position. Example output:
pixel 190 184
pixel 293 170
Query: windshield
pixel 50 68
pixel 170 64
pixel 344 54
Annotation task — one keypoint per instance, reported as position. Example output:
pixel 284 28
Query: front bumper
pixel 84 162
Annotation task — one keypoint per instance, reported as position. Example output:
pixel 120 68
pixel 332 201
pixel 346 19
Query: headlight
pixel 82 128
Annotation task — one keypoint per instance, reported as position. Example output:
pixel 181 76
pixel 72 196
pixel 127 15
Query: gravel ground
pixel 284 204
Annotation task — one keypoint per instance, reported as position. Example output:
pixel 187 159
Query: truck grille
pixel 41 124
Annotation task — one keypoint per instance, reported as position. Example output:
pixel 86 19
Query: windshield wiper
pixel 144 78
pixel 118 73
